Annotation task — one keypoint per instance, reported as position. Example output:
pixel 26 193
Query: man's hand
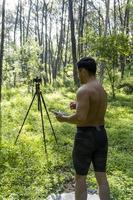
pixel 59 117
pixel 73 105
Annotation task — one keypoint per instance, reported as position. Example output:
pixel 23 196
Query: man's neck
pixel 88 79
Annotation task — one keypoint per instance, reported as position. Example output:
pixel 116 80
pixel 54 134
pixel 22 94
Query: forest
pixel 44 39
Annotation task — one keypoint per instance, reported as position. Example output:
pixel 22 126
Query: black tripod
pixel 40 98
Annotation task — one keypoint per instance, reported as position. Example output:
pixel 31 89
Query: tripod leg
pixel 48 117
pixel 38 97
pixel 44 138
pixel 25 119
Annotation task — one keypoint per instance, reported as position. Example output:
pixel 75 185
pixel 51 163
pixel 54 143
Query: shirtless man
pixel 91 142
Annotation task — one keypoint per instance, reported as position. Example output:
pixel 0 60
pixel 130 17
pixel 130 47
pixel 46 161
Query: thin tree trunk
pixel 82 9
pixel 23 35
pixel 126 17
pixel 29 14
pixel 20 22
pixel 112 80
pixel 37 23
pixel 115 17
pixel 73 41
pixel 20 36
pixel 107 17
pixel 99 22
pixel 60 44
pixel 102 65
pixel 16 21
pixel 125 29
pixel 50 46
pixel 66 49
pixel 120 14
pixel 122 65
pixel 54 68
pixel 1 63
pixel 42 37
pixel 46 45
pixel 50 57
pixel 42 24
pixel 79 26
pixel 66 52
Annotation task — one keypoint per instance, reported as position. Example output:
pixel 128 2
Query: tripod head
pixel 37 80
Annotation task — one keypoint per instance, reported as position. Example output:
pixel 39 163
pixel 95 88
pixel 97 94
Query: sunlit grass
pixel 24 170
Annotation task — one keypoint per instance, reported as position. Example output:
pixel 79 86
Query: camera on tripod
pixel 37 80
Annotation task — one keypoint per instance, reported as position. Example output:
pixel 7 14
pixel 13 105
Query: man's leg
pixel 80 187
pixel 104 192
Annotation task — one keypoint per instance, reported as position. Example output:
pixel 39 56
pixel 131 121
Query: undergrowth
pixel 26 172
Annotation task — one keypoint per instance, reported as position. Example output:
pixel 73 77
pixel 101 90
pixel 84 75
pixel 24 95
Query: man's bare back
pixel 92 103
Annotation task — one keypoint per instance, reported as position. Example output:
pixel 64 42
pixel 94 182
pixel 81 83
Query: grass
pixel 24 170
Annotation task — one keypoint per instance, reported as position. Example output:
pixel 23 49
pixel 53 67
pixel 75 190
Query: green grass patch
pixel 25 172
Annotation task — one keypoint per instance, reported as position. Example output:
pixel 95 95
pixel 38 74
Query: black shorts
pixel 90 145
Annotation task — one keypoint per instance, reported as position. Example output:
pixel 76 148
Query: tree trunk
pixel 46 45
pixel 23 21
pixel 111 75
pixel 79 27
pixel 20 22
pixel 60 44
pixel 50 46
pixel 54 67
pixel 66 49
pixel 42 24
pixel 120 14
pixel 99 22
pixel 115 17
pixel 125 29
pixel 107 17
pixel 21 36
pixel 102 65
pixel 16 21
pixel 122 65
pixel 37 28
pixel 82 9
pixel 1 62
pixel 73 41
pixel 126 20
pixel 42 43
pixel 29 14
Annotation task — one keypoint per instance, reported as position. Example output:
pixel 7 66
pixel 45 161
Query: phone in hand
pixel 55 112
pixel 58 112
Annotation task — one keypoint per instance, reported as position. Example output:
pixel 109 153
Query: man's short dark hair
pixel 88 63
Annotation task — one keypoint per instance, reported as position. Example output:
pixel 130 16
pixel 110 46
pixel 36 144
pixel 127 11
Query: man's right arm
pixel 82 109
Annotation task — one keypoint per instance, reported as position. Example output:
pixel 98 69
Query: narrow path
pixel 70 196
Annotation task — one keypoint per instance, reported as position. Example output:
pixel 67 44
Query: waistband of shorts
pixel 91 127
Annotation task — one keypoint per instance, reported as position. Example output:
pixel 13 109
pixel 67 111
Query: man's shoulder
pixel 84 89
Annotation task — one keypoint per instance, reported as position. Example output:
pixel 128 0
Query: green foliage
pixel 121 186
pixel 111 46
pixel 108 51
pixel 108 48
pixel 29 55
pixel 21 63
pixel 126 85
